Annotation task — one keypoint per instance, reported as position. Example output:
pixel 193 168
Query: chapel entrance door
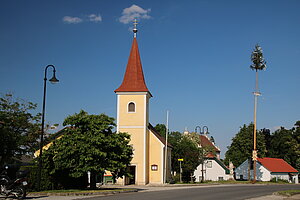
pixel 132 173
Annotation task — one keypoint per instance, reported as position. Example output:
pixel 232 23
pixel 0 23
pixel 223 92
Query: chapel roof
pixel 276 165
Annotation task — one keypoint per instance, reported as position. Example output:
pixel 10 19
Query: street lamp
pixel 203 129
pixel 52 80
pixel 202 153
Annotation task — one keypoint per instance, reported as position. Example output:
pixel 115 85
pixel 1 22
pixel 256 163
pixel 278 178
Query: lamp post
pixel 52 80
pixel 202 153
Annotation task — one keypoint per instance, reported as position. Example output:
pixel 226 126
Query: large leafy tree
pixel 19 128
pixel 191 153
pixel 242 146
pixel 185 147
pixel 296 135
pixel 285 144
pixel 89 145
pixel 161 128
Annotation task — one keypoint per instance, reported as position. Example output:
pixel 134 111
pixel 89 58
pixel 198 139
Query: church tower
pixel 133 114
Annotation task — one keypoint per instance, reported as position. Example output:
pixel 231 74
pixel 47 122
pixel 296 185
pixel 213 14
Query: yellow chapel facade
pixel 133 96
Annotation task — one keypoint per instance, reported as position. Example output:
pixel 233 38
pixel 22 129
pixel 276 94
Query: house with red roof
pixel 268 169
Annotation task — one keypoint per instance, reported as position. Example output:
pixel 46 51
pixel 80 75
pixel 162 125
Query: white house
pixel 213 168
pixel 267 169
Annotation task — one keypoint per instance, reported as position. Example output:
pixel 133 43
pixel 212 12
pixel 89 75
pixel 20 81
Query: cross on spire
pixel 134 27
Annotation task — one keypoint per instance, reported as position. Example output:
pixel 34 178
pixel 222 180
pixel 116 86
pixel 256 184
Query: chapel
pixel 133 97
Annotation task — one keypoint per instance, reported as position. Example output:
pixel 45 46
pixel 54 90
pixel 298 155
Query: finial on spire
pixel 134 27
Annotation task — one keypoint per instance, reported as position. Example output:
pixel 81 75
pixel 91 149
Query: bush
pixel 58 181
pixel 47 182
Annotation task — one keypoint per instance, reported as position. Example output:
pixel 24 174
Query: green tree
pixel 161 128
pixel 242 146
pixel 174 139
pixel 258 60
pixel 89 145
pixel 19 128
pixel 268 138
pixel 185 147
pixel 296 135
pixel 191 154
pixel 285 144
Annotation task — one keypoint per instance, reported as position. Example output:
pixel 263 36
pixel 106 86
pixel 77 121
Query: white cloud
pixel 95 18
pixel 134 12
pixel 88 18
pixel 72 20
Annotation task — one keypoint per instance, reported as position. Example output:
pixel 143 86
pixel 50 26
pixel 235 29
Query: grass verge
pixel 83 192
pixel 288 192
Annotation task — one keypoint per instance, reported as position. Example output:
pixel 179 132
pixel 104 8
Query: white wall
pixel 242 170
pixel 212 173
pixel 262 174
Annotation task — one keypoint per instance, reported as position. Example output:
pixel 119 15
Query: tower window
pixel 131 107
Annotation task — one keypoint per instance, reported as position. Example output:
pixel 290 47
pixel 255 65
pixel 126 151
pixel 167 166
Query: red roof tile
pixel 134 77
pixel 276 165
pixel 210 155
pixel 205 142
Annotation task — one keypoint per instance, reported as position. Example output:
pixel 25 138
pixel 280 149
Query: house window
pixel 209 164
pixel 220 178
pixel 131 107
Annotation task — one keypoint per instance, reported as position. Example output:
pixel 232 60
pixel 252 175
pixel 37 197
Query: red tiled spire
pixel 134 77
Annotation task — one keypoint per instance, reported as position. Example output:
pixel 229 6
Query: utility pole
pixel 166 149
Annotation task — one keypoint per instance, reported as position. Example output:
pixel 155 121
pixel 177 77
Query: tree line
pixel 282 143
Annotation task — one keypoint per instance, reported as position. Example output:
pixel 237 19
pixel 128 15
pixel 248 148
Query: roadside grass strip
pixel 288 193
pixel 75 192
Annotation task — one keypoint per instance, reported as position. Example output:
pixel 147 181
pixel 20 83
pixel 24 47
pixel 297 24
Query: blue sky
pixel 195 56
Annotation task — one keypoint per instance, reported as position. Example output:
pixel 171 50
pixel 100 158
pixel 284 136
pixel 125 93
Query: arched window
pixel 131 107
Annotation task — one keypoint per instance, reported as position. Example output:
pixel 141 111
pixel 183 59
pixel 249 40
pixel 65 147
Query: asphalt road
pixel 232 192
